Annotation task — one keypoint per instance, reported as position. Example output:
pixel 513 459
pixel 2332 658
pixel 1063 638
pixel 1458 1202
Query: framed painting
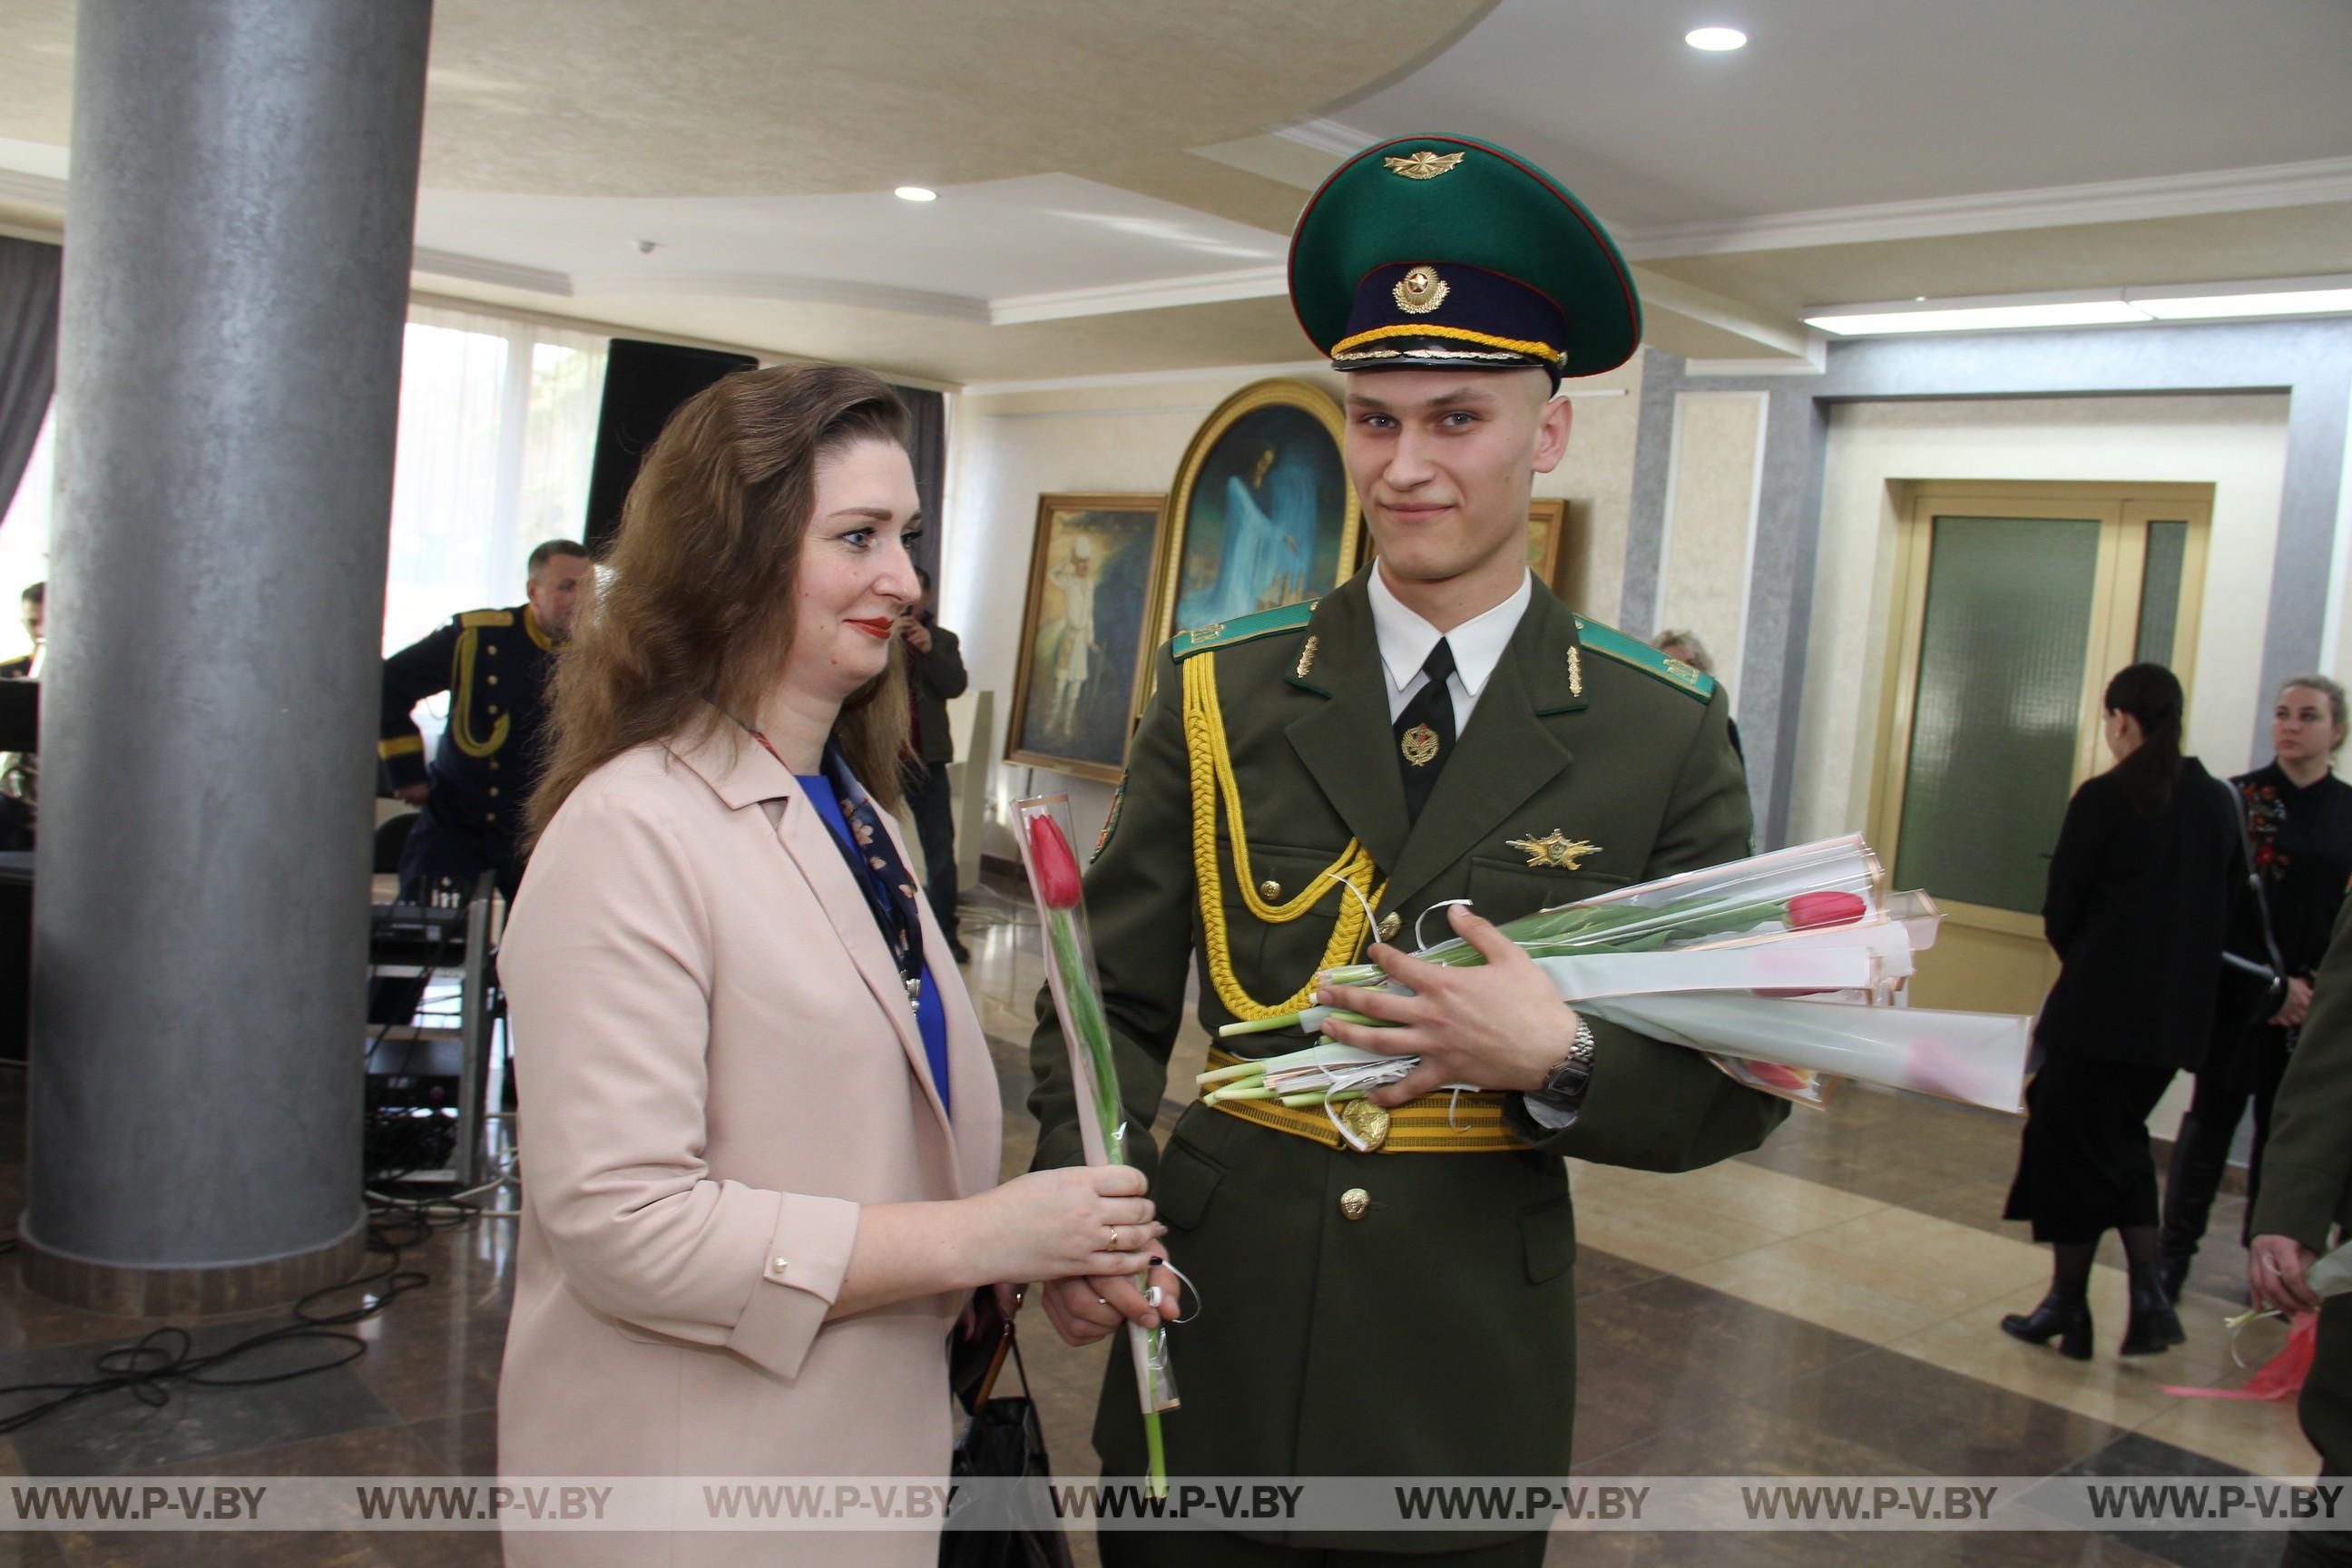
pixel 1087 633
pixel 1547 529
pixel 1262 513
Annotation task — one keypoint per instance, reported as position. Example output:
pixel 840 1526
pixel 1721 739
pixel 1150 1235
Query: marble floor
pixel 1824 1306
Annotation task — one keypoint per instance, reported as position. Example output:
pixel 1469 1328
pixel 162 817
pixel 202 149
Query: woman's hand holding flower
pixel 1085 1311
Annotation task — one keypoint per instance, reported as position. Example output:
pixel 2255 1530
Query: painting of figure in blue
pixel 1085 632
pixel 1267 519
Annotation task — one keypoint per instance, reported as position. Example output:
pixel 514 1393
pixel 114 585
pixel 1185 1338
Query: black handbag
pixel 2251 990
pixel 1003 1442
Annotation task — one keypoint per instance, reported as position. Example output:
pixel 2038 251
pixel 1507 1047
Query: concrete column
pixel 242 197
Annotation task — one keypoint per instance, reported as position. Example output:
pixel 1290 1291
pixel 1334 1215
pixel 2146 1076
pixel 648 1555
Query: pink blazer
pixel 716 1065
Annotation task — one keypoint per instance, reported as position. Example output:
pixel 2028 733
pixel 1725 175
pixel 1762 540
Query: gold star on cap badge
pixel 1555 848
pixel 1420 291
pixel 1424 164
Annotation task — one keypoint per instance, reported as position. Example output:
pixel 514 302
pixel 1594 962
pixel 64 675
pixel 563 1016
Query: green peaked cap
pixel 1473 204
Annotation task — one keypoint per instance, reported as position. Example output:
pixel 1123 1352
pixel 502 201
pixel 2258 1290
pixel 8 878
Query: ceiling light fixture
pixel 1716 40
pixel 916 194
pixel 2092 308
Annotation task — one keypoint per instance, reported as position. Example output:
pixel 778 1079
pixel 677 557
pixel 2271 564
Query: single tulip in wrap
pixel 1102 1123
pixel 1783 968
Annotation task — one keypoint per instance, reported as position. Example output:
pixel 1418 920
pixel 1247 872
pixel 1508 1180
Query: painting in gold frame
pixel 1261 512
pixel 1547 535
pixel 1087 633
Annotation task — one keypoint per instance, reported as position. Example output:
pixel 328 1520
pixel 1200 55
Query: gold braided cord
pixel 1212 774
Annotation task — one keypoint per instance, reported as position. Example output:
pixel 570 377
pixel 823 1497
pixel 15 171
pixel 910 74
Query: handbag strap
pixel 2254 880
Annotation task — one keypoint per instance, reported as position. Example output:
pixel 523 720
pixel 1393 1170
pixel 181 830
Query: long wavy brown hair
pixel 694 622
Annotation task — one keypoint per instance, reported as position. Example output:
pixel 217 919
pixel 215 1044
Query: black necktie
pixel 1425 731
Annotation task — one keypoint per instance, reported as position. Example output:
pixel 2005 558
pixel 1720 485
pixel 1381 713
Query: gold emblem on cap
pixel 1420 291
pixel 1424 164
pixel 1420 745
pixel 1556 849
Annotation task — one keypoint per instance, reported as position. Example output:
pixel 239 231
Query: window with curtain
pixel 25 537
pixel 497 431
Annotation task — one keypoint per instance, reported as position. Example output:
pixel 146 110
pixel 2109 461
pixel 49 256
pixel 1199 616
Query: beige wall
pixel 1715 465
pixel 2237 444
pixel 1007 449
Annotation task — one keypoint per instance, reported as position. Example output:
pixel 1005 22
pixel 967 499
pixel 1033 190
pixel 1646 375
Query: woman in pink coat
pixel 759 1123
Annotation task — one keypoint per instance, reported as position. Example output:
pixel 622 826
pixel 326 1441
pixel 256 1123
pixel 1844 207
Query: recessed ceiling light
pixel 1716 40
pixel 916 194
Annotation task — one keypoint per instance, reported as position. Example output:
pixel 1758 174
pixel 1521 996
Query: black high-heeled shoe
pixel 2067 1321
pixel 2154 1326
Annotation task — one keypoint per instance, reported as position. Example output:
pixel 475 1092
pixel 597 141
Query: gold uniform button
pixel 489 648
pixel 494 767
pixel 1355 1203
pixel 491 679
pixel 1391 923
pixel 494 792
pixel 494 707
pixel 1269 889
pixel 489 817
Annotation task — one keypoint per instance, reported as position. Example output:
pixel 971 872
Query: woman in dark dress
pixel 2140 891
pixel 2298 816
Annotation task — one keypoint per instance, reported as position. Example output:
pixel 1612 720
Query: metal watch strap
pixel 1566 1080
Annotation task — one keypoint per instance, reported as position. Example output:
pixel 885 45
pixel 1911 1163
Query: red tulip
pixel 1056 867
pixel 1807 910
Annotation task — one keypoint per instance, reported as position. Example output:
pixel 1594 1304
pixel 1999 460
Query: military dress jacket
pixel 1432 1331
pixel 495 666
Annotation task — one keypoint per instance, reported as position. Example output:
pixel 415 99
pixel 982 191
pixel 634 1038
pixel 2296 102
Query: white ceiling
pixel 1117 180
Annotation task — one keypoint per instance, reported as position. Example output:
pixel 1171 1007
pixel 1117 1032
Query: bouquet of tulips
pixel 1046 853
pixel 1786 968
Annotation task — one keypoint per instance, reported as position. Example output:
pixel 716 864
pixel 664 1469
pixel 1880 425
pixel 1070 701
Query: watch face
pixel 1568 1080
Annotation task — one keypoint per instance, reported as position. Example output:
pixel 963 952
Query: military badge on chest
pixel 1555 849
pixel 1420 745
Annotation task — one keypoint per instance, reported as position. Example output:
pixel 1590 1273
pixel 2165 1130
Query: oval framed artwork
pixel 1261 512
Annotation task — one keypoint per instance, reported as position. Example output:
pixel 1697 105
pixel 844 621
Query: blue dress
pixel 931 1017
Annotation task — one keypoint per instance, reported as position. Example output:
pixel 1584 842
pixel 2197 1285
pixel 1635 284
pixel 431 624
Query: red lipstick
pixel 878 627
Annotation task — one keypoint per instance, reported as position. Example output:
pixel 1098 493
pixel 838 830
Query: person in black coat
pixel 935 672
pixel 2298 818
pixel 2141 887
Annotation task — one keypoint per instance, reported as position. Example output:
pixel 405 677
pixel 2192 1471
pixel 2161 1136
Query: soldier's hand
pixel 2274 1274
pixel 917 636
pixel 1085 1311
pixel 413 794
pixel 1498 1025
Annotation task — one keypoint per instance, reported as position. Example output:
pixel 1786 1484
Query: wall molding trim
pixel 2108 201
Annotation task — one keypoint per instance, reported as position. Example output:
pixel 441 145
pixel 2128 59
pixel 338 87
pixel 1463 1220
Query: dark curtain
pixel 927 443
pixel 28 351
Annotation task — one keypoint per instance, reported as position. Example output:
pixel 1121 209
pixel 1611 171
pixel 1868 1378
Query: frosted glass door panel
pixel 2159 592
pixel 2000 693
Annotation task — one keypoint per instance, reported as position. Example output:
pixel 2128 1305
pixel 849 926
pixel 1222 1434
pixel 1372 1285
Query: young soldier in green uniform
pixel 2307 1190
pixel 1440 727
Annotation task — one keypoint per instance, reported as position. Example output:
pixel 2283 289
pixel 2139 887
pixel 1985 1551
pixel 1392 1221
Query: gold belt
pixel 1439 1123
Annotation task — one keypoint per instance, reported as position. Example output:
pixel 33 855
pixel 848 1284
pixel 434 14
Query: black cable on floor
pixel 163 1357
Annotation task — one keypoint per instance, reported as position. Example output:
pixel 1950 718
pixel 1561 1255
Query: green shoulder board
pixel 1624 649
pixel 1242 628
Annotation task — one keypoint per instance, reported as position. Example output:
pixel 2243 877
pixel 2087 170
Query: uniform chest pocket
pixel 1267 954
pixel 1505 889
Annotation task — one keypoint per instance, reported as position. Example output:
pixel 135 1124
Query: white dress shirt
pixel 1478 642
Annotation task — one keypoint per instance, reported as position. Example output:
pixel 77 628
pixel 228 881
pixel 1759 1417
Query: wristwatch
pixel 1566 1083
